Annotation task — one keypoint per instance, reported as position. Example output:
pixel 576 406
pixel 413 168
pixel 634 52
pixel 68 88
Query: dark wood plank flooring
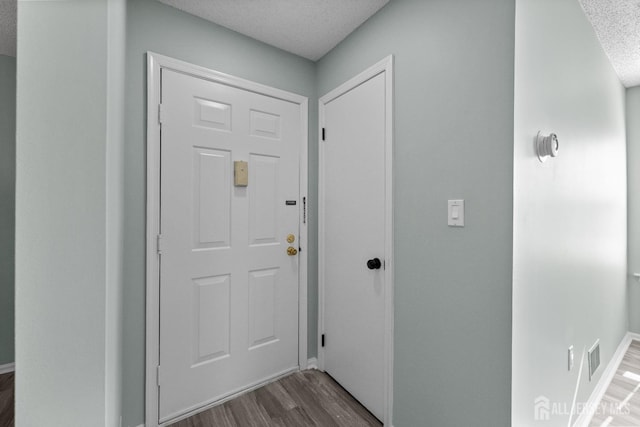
pixel 620 405
pixel 7 400
pixel 308 398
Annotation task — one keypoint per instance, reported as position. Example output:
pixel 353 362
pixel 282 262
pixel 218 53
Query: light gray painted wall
pixel 570 213
pixel 64 316
pixel 453 139
pixel 152 26
pixel 633 173
pixel 116 54
pixel 7 204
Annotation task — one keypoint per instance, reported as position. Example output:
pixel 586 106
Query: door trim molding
pixel 384 66
pixel 155 63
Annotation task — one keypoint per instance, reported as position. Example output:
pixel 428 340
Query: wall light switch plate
pixel 456 213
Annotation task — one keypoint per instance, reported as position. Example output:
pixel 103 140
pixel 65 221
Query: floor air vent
pixel 594 359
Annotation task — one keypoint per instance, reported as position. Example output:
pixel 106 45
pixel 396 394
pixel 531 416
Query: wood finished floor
pixel 308 398
pixel 620 406
pixel 312 398
pixel 6 400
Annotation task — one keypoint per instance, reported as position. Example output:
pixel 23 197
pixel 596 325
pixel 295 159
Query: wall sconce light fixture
pixel 547 146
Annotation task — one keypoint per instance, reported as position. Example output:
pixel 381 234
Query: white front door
pixel 228 286
pixel 353 252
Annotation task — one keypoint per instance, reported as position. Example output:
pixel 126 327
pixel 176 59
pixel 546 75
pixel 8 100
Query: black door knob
pixel 374 264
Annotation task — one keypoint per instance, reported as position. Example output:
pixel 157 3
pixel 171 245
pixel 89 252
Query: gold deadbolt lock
pixel 291 251
pixel 291 238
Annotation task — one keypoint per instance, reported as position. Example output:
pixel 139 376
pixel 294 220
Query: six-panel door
pixel 228 287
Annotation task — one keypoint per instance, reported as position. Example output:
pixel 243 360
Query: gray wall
pixel 152 26
pixel 7 204
pixel 453 139
pixel 570 213
pixel 66 309
pixel 633 173
pixel 114 152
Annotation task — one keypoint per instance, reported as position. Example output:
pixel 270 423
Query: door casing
pixel 384 66
pixel 155 63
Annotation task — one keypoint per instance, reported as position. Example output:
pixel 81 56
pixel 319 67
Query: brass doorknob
pixel 291 238
pixel 291 251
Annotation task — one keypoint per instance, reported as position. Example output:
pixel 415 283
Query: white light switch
pixel 456 213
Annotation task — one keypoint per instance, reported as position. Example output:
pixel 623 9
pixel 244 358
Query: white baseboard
pixel 312 363
pixel 9 367
pixel 607 376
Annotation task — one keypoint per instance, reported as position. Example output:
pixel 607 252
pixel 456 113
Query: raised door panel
pixel 212 114
pixel 211 319
pixel 265 124
pixel 211 198
pixel 262 307
pixel 263 199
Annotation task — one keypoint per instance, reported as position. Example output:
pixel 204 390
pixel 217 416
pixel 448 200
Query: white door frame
pixel 384 66
pixel 155 63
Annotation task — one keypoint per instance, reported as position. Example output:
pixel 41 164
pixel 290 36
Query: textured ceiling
pixel 311 28
pixel 308 28
pixel 8 27
pixel 617 24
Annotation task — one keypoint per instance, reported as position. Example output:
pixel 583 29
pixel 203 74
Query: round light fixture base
pixel 547 146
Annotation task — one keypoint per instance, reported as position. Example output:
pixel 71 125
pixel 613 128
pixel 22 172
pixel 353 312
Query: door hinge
pixel 304 210
pixel 160 114
pixel 323 134
pixel 158 375
pixel 159 243
pixel 322 343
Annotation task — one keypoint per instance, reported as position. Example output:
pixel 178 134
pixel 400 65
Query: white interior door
pixel 228 286
pixel 353 229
